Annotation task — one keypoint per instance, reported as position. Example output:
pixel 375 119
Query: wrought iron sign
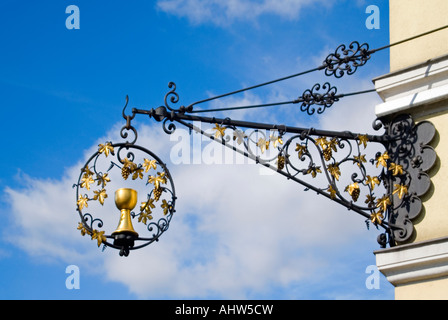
pixel 139 179
pixel 381 177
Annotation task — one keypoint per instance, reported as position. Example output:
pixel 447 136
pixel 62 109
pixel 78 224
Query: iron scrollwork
pixel 114 166
pixel 347 59
pixel 380 177
pixel 336 166
pixel 313 97
pixel 172 97
pixel 382 183
pixel 408 145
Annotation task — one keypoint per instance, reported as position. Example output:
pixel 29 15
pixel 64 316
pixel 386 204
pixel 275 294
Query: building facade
pixel 418 85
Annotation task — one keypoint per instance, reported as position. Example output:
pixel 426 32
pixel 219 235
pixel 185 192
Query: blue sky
pixel 63 92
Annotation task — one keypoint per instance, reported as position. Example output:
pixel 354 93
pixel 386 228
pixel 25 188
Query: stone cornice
pixel 420 85
pixel 410 263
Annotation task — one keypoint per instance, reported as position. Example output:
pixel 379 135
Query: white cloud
pixel 225 12
pixel 248 232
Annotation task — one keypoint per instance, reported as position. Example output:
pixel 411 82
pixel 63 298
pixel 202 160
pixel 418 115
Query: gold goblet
pixel 125 200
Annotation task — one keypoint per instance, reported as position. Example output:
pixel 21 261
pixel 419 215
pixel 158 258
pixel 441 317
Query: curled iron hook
pixel 128 118
pixel 128 126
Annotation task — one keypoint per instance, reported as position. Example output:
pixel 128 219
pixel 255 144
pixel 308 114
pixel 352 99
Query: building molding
pixel 405 264
pixel 419 85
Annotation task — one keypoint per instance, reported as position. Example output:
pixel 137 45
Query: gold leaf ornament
pixel 314 170
pixel 83 229
pixel 219 131
pixel 372 181
pixel 359 160
pixel 102 179
pixel 83 202
pixel 86 181
pixel 106 148
pixel 100 195
pixel 401 189
pixel 147 205
pixel 377 217
pixel 165 206
pixel 99 236
pixel 138 173
pixel 301 149
pixel 87 171
pixel 333 144
pixel 362 140
pixel 334 170
pixel 322 141
pixel 382 159
pixel 263 144
pixel 144 217
pixel 276 140
pixel 157 180
pixel 396 169
pixel 149 164
pixel 146 211
pixel 128 163
pixel 383 203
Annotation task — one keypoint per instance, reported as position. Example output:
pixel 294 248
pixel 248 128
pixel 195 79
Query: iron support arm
pixel 162 113
pixel 401 162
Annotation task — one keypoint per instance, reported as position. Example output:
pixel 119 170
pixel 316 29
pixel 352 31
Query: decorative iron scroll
pixel 381 177
pixel 313 97
pixel 120 165
pixel 408 147
pixel 344 61
pixel 347 60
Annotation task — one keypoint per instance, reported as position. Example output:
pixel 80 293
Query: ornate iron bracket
pixel 383 184
pixel 384 189
pixel 408 146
